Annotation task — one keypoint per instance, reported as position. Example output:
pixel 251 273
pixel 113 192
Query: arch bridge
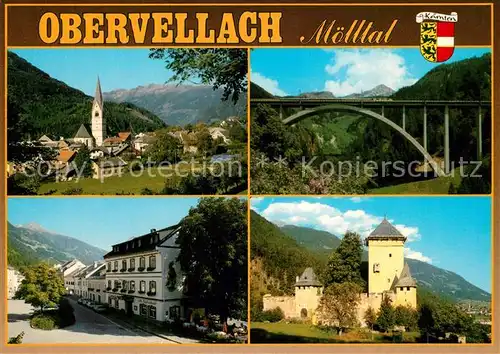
pixel 309 107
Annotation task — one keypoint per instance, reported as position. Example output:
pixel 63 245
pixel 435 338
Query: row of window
pixel 126 285
pixel 136 243
pixel 131 264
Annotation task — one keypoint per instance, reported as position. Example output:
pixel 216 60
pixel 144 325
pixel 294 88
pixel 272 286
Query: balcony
pixel 141 269
pixel 98 290
pixel 123 290
pixel 151 293
pixel 123 270
pixel 115 270
pixel 131 269
pixel 91 289
pixel 131 291
pixel 149 269
pixel 115 290
pixel 108 288
pixel 141 292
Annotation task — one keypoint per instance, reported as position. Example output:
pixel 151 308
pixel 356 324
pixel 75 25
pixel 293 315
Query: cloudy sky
pixel 341 71
pixel 453 233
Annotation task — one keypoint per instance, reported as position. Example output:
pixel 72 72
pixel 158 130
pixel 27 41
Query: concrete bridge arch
pixel 368 113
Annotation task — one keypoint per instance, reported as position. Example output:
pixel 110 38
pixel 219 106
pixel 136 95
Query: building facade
pixel 143 277
pixel 98 120
pixel 14 279
pixel 388 276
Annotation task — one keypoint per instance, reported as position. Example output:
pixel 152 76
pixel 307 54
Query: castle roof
pixel 98 93
pixel 308 278
pixel 386 231
pixel 83 132
pixel 405 279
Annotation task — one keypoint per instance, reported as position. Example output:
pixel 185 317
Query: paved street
pixel 90 327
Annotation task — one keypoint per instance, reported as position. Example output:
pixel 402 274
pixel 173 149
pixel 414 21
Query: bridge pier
pixel 425 128
pixel 404 118
pixel 479 134
pixel 446 140
pixel 382 114
pixel 281 112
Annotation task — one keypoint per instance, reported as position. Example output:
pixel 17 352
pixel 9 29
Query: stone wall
pixel 286 303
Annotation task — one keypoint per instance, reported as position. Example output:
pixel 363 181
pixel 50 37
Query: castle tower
pixel 406 289
pixel 98 121
pixel 308 292
pixel 385 257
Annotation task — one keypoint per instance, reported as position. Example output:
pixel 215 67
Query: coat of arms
pixel 437 35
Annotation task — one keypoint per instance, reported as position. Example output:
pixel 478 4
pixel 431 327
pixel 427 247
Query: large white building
pixel 144 278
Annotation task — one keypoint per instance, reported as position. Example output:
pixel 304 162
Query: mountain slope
pixel 181 104
pixel 45 105
pixel 377 91
pixel 31 243
pixel 437 280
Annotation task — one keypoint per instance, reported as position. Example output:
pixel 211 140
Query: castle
pixel 388 276
pixel 98 123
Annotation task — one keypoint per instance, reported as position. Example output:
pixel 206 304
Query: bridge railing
pixel 375 102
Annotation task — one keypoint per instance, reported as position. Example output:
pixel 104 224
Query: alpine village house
pixel 139 277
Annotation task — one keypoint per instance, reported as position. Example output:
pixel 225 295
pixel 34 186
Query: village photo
pixel 127 121
pixel 371 270
pixel 370 121
pixel 171 271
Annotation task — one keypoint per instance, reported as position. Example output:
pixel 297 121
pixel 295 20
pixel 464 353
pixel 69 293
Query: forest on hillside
pixel 39 104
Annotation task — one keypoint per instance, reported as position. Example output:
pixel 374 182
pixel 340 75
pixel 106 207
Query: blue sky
pixel 117 68
pixel 453 233
pixel 100 222
pixel 341 71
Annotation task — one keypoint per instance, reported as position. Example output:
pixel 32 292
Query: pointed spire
pixel 405 279
pixel 98 93
pixel 386 231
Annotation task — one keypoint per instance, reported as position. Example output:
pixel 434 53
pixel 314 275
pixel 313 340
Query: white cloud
pixel 328 218
pixel 409 253
pixel 270 85
pixel 365 69
pixel 359 199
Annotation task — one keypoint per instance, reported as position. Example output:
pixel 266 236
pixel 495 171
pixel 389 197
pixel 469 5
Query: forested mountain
pixel 39 104
pixel 181 104
pixel 28 244
pixel 280 254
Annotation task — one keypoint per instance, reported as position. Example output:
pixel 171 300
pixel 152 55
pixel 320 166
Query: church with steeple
pixel 388 276
pixel 97 133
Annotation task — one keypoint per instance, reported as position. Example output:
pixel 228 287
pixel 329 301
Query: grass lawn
pixel 282 332
pixel 126 184
pixel 439 185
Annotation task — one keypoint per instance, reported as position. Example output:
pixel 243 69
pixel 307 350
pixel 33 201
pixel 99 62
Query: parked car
pixel 100 308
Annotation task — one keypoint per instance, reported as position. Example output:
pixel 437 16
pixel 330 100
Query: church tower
pixel 98 121
pixel 385 257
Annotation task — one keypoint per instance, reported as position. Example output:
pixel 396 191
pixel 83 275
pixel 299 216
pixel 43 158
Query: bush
pixel 274 315
pixel 17 339
pixel 43 321
pixel 66 313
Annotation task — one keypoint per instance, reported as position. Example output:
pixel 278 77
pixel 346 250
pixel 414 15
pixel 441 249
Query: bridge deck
pixel 368 103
